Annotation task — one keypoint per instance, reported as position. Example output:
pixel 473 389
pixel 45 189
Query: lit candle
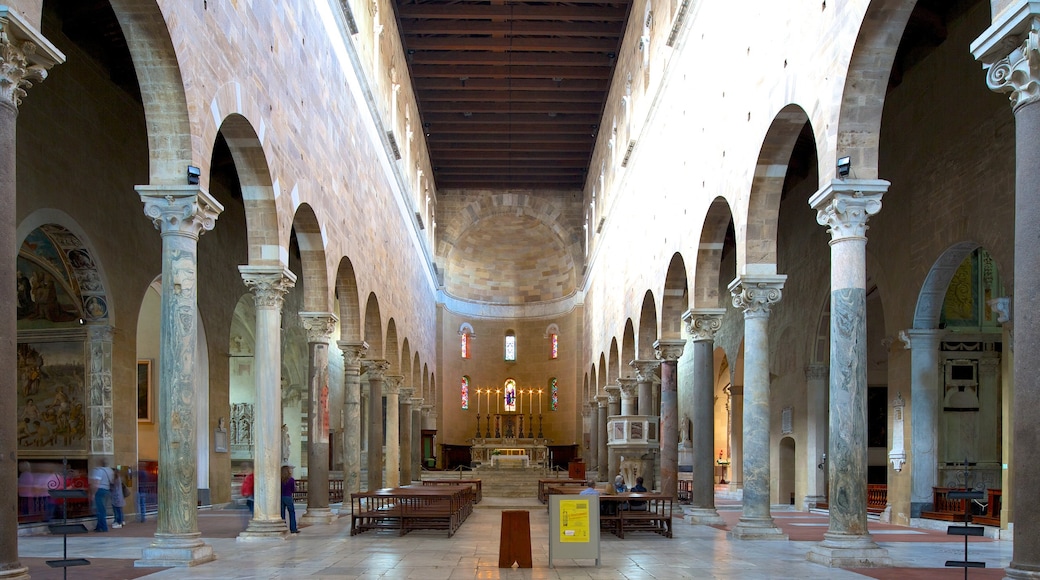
pixel 498 401
pixel 520 404
pixel 478 401
pixel 539 401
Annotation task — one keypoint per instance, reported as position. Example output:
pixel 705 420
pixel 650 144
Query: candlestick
pixel 498 401
pixel 539 401
pixel 520 404
pixel 478 409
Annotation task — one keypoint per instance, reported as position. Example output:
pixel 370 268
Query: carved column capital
pixel 613 393
pixel 353 352
pixel 392 384
pixel 629 388
pixel 25 57
pixel 268 284
pixel 845 205
pixel 669 350
pixel 601 401
pixel 319 325
pixel 406 395
pixel 1010 52
pixel 646 370
pixel 703 323
pixel 416 402
pixel 756 295
pixel 182 210
pixel 375 368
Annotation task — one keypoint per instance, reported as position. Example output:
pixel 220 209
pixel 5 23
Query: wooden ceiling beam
pixel 533 163
pixel 503 43
pixel 515 118
pixel 466 94
pixel 411 28
pixel 517 129
pixel 446 150
pixel 443 159
pixel 504 137
pixel 472 71
pixel 512 12
pixel 509 107
pixel 512 60
pixel 484 84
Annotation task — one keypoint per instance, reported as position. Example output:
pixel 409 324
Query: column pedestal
pixel 180 550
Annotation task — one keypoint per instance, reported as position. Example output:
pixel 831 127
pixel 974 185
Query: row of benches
pixel 629 511
pixel 440 507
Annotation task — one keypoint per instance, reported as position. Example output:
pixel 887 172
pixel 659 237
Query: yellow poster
pixel 574 520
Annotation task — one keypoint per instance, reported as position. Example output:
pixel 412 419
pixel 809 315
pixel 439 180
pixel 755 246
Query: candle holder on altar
pixel 530 427
pixel 488 434
pixel 723 463
pixel 478 426
pixel 540 436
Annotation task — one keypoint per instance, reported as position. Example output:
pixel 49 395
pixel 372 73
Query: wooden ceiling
pixel 510 92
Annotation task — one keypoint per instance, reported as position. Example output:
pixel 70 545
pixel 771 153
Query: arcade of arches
pixel 234 235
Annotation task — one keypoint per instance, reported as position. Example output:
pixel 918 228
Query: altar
pixel 512 453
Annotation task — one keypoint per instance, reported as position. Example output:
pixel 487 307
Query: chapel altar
pixel 510 447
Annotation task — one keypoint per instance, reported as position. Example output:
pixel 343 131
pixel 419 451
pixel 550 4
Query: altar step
pixel 500 483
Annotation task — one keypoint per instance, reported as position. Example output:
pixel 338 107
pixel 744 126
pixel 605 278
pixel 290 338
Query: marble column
pixel 594 435
pixel 815 434
pixel 417 437
pixel 613 400
pixel 701 325
pixel 392 390
pixel 736 438
pixel 26 57
pixel 645 373
pixel 375 369
pixel 755 295
pixel 668 352
pixel 588 422
pixel 269 285
pixel 353 352
pixel 182 214
pixel 602 471
pixel 406 434
pixel 1010 51
pixel 844 206
pixel 613 410
pixel 629 395
pixel 319 327
pixel 925 383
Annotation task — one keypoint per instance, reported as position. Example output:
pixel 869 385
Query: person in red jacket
pixel 247 487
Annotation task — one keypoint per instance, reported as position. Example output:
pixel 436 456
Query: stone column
pixel 416 419
pixel 645 374
pixel 588 422
pixel 701 325
pixel 601 448
pixel 736 438
pixel 668 352
pixel 375 369
pixel 629 395
pixel 613 400
pixel 594 436
pixel 269 285
pixel 925 383
pixel 816 434
pixel 1010 51
pixel 844 206
pixel 319 326
pixel 755 295
pixel 353 352
pixel 25 56
pixel 181 213
pixel 613 410
pixel 406 435
pixel 392 390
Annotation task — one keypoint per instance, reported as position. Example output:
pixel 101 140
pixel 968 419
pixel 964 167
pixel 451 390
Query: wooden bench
pixel 405 509
pixel 877 498
pixel 474 483
pixel 654 515
pixel 685 492
pixel 944 508
pixel 992 515
pixel 335 491
pixel 543 486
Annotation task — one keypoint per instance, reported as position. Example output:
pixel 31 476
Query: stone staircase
pixel 503 482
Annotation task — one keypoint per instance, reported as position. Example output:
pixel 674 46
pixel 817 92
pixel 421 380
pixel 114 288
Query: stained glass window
pixel 465 392
pixel 510 346
pixel 465 345
pixel 509 396
pixel 553 346
pixel 554 394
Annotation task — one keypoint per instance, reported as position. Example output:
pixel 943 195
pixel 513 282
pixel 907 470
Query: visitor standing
pixel 101 478
pixel 288 487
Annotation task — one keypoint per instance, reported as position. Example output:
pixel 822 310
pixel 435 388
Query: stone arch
pixel 310 239
pixel 416 378
pixel 757 242
pixel 593 388
pixel 647 328
pixel 390 350
pixel 602 377
pixel 614 364
pixel 866 85
pixel 162 91
pixel 628 348
pixel 706 281
pixel 406 362
pixel 676 298
pixel 373 328
pixel 933 290
pixel 349 303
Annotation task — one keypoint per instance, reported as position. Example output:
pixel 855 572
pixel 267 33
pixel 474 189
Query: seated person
pixel 590 488
pixel 619 484
pixel 637 488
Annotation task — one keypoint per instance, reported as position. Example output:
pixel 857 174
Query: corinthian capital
pixel 353 352
pixel 319 325
pixel 25 57
pixel 669 350
pixel 703 323
pixel 184 210
pixel 392 384
pixel 845 205
pixel 646 370
pixel 268 284
pixel 629 388
pixel 376 368
pixel 755 295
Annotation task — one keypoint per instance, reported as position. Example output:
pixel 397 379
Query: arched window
pixel 509 396
pixel 554 395
pixel 510 351
pixel 466 334
pixel 464 392
pixel 552 333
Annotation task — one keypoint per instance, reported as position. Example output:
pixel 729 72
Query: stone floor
pixel 330 552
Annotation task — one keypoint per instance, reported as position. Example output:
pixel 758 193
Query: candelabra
pixel 488 434
pixel 540 435
pixel 478 426
pixel 530 427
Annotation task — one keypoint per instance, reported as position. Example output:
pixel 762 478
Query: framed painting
pixel 144 391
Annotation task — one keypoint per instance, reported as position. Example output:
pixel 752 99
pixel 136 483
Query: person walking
pixel 247 487
pixel 118 499
pixel 101 478
pixel 288 487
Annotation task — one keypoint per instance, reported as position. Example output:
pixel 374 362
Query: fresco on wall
pixel 57 281
pixel 51 387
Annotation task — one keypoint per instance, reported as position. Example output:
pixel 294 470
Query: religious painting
pixel 51 387
pixel 144 391
pixel 57 282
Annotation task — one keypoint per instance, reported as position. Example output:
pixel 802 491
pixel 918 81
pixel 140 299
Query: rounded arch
pixel 647 327
pixel 628 347
pixel 390 350
pixel 933 291
pixel 593 383
pixel 406 363
pixel 349 302
pixel 373 327
pixel 416 378
pixel 309 238
pixel 675 300
pixel 706 283
pixel 614 365
pixel 757 242
pixel 602 380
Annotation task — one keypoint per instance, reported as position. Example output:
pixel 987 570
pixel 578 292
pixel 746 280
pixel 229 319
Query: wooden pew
pixel 877 498
pixel 543 486
pixel 411 508
pixel 944 508
pixel 474 483
pixel 655 517
pixel 992 515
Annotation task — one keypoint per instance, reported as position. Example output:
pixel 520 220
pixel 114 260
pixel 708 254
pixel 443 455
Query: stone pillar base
pixel 1016 574
pixel 15 574
pixel 706 516
pixel 756 529
pixel 175 550
pixel 318 516
pixel 262 530
pixel 811 501
pixel 849 551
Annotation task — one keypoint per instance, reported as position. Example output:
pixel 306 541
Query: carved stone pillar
pixel 613 400
pixel 392 390
pixel 924 416
pixel 701 325
pixel 416 420
pixel 629 395
pixel 406 434
pixel 755 295
pixel 844 206
pixel 592 453
pixel 613 410
pixel 1010 51
pixel 646 371
pixel 588 422
pixel 816 434
pixel 181 214
pixel 601 427
pixel 375 369
pixel 668 352
pixel 269 285
pixel 102 440
pixel 353 352
pixel 25 56
pixel 319 326
pixel 736 438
